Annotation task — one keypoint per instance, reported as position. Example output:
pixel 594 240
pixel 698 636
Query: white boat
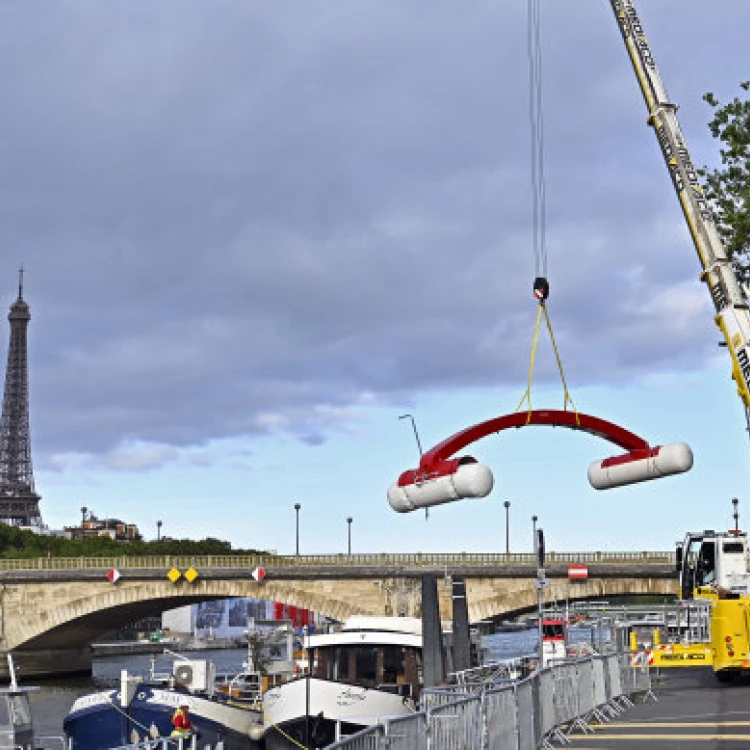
pixel 370 669
pixel 554 640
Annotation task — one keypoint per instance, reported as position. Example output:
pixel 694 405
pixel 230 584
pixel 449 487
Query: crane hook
pixel 541 288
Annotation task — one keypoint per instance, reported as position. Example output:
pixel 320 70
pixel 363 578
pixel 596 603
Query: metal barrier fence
pixel 378 560
pixel 522 715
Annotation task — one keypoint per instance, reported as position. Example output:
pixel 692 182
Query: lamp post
pixel 158 531
pixel 84 510
pixel 541 584
pixel 297 506
pixel 735 503
pixel 349 535
pixel 507 526
pixel 534 519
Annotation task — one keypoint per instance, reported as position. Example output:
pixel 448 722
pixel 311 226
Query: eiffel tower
pixel 19 503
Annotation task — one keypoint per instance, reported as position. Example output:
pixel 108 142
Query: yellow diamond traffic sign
pixel 174 575
pixel 191 574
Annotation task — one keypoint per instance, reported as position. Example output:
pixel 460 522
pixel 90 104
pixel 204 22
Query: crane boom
pixel 732 313
pixel 712 566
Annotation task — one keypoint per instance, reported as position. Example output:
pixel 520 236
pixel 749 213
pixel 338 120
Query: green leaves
pixel 728 188
pixel 18 543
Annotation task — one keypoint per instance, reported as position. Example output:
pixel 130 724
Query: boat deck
pixel 692 710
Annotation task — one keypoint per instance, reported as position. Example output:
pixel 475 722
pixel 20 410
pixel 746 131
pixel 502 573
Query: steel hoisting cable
pixel 539 201
pixel 536 130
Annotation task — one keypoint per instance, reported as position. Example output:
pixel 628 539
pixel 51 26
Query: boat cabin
pixel 387 660
pixel 553 630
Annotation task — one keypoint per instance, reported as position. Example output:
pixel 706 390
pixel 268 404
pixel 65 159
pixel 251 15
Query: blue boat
pixel 142 710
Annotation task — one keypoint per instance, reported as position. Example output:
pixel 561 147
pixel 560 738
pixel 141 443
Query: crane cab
pixel 713 560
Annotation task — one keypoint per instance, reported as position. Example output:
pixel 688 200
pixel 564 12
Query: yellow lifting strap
pixel 568 399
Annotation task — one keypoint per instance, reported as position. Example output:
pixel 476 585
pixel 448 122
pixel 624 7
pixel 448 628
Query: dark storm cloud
pixel 239 216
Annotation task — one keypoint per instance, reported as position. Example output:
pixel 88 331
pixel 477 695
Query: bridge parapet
pixel 384 560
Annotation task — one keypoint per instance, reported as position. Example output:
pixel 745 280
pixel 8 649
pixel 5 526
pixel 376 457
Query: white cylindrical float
pixel 641 466
pixel 456 480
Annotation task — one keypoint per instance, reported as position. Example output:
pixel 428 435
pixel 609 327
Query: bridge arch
pixel 487 600
pixel 95 609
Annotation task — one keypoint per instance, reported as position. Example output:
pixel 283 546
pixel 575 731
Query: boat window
pixel 733 548
pixel 319 660
pixel 553 630
pixel 393 666
pixel 20 710
pixel 339 664
pixel 367 665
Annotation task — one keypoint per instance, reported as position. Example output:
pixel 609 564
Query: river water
pixel 51 703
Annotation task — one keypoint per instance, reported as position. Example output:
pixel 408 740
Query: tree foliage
pixel 17 543
pixel 728 188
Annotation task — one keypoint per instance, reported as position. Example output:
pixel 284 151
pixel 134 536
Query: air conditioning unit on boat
pixel 196 676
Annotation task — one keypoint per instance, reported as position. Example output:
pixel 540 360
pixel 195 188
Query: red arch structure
pixel 551 417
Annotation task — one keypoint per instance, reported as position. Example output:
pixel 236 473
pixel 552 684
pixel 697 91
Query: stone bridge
pixel 51 610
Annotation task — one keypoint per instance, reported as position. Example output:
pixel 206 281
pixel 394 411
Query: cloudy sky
pixel 255 233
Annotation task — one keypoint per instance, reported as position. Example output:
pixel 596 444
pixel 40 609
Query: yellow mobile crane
pixel 711 565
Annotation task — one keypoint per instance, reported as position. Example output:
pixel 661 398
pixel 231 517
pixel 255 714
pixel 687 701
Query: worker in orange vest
pixel 181 722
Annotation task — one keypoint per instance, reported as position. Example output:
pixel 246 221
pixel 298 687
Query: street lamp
pixel 349 522
pixel 84 510
pixel 507 526
pixel 158 531
pixel 297 506
pixel 414 427
pixel 534 519
pixel 735 502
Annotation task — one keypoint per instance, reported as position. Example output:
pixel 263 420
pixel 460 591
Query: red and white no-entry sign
pixel 578 572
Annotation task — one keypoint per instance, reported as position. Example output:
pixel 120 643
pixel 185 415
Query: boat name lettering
pixel 97 699
pixel 345 697
pixel 175 699
pixel 683 657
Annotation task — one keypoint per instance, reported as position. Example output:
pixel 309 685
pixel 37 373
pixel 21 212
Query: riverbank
pixel 129 648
